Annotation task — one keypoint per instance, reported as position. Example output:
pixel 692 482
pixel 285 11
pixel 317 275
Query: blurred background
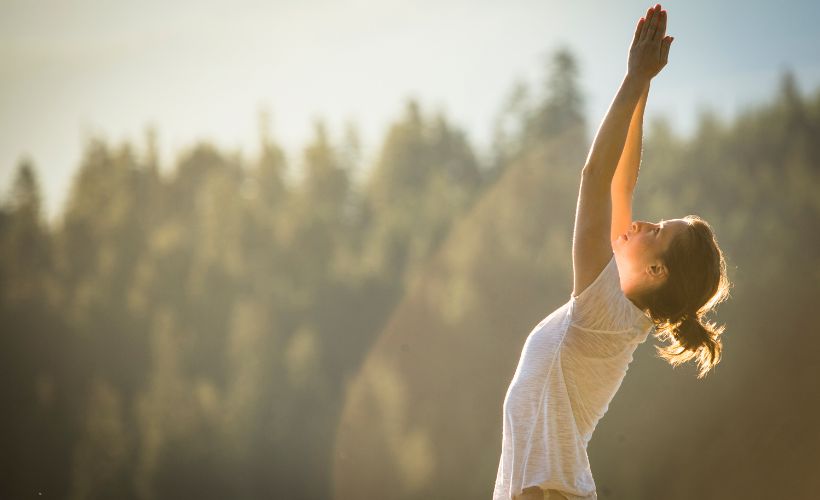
pixel 293 250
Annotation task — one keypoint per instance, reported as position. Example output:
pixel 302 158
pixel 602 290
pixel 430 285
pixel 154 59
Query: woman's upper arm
pixel 591 245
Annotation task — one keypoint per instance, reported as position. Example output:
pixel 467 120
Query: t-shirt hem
pixel 560 488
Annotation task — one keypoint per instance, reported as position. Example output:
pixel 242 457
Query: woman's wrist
pixel 633 88
pixel 637 79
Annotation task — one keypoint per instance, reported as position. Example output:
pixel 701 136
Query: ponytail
pixel 690 338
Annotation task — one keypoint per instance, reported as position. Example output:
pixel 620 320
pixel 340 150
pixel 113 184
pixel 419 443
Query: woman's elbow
pixel 594 174
pixel 593 169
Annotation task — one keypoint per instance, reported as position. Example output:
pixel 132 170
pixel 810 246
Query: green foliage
pixel 425 176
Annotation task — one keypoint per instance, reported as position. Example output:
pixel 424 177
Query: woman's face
pixel 639 250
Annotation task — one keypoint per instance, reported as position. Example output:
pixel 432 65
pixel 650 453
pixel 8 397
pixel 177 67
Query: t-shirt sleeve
pixel 602 306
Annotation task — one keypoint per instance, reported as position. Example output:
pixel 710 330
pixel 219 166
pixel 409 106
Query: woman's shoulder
pixel 604 306
pixel 607 280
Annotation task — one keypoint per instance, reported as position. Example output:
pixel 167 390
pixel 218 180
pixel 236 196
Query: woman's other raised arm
pixel 626 175
pixel 591 246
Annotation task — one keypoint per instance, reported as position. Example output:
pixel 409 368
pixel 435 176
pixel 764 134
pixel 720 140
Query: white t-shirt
pixel 571 366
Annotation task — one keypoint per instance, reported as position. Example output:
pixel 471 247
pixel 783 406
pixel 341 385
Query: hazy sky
pixel 204 69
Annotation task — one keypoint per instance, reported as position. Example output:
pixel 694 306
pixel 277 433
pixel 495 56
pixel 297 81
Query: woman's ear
pixel 656 270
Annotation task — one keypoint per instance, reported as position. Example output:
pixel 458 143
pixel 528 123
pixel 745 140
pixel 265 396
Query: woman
pixel 629 277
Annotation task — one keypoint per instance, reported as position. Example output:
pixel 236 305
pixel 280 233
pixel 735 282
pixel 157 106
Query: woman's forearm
pixel 609 141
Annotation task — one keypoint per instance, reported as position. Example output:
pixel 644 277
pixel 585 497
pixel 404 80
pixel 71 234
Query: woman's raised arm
pixel 591 247
pixel 626 175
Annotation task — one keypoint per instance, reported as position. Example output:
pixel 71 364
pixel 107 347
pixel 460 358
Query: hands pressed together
pixel 649 51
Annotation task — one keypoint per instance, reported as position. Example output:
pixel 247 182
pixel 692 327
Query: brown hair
pixel 696 283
